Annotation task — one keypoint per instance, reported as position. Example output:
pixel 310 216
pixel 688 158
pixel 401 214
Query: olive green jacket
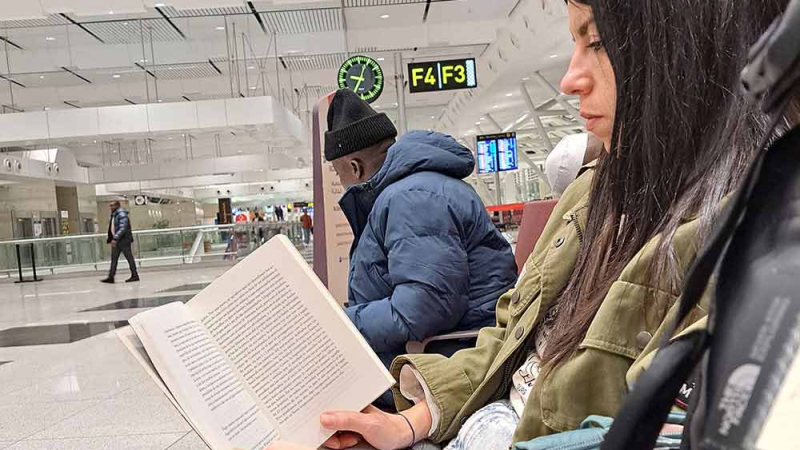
pixel 618 346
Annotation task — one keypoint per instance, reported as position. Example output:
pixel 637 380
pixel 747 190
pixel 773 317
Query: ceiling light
pixel 41 77
pixel 510 94
pixel 160 101
pixel 477 123
pixel 526 78
pixel 47 108
pixel 385 16
pixel 554 56
pixel 111 12
pixel 495 106
pixel 253 88
pixel 251 67
pixel 160 5
pixel 381 59
pixel 433 117
pixel 220 28
pixel 49 38
pixel 116 75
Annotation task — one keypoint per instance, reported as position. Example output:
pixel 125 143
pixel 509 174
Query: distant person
pixel 279 213
pixel 426 259
pixel 120 237
pixel 260 220
pixel 308 225
pixel 564 163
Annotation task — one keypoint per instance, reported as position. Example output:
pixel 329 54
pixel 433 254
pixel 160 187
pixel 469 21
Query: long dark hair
pixel 682 137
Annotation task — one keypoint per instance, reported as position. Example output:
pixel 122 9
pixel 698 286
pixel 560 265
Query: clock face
pixel 362 75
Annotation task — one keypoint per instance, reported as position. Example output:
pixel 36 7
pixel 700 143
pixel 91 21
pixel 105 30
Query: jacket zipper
pixel 578 230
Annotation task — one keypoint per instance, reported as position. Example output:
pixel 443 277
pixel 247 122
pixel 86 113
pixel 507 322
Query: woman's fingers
pixel 342 441
pixel 345 421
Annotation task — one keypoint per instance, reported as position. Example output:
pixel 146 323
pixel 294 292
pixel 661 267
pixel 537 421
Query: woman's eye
pixel 596 45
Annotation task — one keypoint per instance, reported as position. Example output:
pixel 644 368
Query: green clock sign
pixel 362 75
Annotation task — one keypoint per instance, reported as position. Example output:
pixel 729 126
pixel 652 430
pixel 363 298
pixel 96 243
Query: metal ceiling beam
pixel 76 75
pixel 170 22
pixel 12 81
pixel 10 42
pixel 71 104
pixel 258 17
pixel 532 109
pixel 557 96
pixel 145 69
pixel 80 25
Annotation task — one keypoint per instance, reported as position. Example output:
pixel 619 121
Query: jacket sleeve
pixel 428 273
pixel 124 224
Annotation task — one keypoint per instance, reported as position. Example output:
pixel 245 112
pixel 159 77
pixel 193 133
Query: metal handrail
pixel 142 232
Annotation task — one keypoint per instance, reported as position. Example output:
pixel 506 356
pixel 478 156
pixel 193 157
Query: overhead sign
pixel 442 75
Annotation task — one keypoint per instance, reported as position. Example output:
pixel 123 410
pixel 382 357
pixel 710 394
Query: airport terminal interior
pixel 198 127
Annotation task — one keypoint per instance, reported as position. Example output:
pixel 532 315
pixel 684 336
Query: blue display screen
pixel 487 156
pixel 497 152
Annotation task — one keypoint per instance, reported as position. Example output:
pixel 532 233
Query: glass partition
pixel 175 246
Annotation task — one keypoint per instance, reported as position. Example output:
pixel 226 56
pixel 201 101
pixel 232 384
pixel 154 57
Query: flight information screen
pixel 497 152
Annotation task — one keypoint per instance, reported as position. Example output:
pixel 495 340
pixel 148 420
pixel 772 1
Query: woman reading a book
pixel 658 84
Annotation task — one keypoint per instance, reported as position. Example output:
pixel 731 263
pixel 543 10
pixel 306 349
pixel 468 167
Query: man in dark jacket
pixel 120 237
pixel 426 259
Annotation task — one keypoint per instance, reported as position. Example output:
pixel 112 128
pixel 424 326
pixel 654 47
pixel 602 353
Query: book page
pixel 202 380
pixel 290 341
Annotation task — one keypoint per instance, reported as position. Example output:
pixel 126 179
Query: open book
pixel 259 354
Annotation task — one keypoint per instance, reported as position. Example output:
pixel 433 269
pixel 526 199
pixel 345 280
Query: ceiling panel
pixel 129 32
pixel 25 23
pixel 303 21
pixel 366 3
pixel 204 12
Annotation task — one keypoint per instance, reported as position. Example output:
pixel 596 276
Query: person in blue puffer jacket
pixel 426 259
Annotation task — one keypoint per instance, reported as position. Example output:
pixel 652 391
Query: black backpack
pixel 736 367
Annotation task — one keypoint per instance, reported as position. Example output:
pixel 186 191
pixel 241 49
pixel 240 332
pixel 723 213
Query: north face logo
pixel 736 396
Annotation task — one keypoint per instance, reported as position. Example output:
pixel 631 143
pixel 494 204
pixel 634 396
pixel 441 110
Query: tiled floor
pixel 87 393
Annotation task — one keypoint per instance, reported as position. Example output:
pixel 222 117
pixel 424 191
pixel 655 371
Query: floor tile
pixel 135 303
pixel 72 387
pixel 187 287
pixel 133 442
pixel 20 421
pixel 190 442
pixel 119 417
pixel 54 334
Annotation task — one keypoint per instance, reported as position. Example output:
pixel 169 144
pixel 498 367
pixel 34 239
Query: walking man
pixel 120 237
pixel 308 225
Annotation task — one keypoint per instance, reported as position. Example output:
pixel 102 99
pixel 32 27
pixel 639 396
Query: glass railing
pixel 189 245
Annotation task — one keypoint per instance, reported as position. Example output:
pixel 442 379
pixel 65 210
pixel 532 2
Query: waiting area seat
pixel 534 219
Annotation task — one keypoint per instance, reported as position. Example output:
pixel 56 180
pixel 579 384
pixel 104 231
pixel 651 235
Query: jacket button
pixel 642 339
pixel 518 334
pixel 559 241
pixel 515 297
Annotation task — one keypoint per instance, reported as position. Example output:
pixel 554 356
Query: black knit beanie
pixel 353 125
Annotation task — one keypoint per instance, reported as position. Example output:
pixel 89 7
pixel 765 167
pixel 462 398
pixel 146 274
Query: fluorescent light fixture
pixel 251 67
pixel 220 28
pixel 381 59
pixel 50 38
pixel 554 56
pixel 116 75
pixel 47 108
pixel 495 106
pixel 526 78
pixel 253 88
pixel 433 117
pixel 111 12
pixel 41 77
pixel 385 16
pixel 477 123
pixel 510 94
pixel 160 101
pixel 160 5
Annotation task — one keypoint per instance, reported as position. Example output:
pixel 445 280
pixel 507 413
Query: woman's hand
pixel 381 430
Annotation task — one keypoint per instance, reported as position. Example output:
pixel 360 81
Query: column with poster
pixel 332 234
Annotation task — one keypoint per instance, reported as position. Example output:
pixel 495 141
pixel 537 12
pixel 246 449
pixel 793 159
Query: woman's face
pixel 590 75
